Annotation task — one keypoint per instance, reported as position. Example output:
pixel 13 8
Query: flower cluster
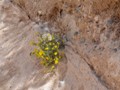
pixel 48 50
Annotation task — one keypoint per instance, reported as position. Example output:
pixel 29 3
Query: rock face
pixel 92 51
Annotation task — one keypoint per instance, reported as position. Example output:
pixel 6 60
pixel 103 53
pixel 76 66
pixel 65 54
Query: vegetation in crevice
pixel 48 50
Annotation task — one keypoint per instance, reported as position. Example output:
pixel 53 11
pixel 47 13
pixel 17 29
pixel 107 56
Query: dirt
pixel 92 49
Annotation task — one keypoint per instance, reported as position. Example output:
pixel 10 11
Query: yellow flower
pixel 55 53
pixel 46 48
pixel 56 60
pixel 47 58
pixel 55 46
pixel 41 53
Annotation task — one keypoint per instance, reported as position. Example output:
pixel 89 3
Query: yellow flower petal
pixel 41 53
pixel 55 53
pixel 46 48
pixel 56 61
pixel 55 46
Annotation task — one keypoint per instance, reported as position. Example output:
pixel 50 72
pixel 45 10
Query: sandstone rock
pixel 92 57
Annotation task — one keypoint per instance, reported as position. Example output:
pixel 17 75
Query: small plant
pixel 48 50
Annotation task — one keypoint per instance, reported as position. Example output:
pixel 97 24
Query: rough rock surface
pixel 92 51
